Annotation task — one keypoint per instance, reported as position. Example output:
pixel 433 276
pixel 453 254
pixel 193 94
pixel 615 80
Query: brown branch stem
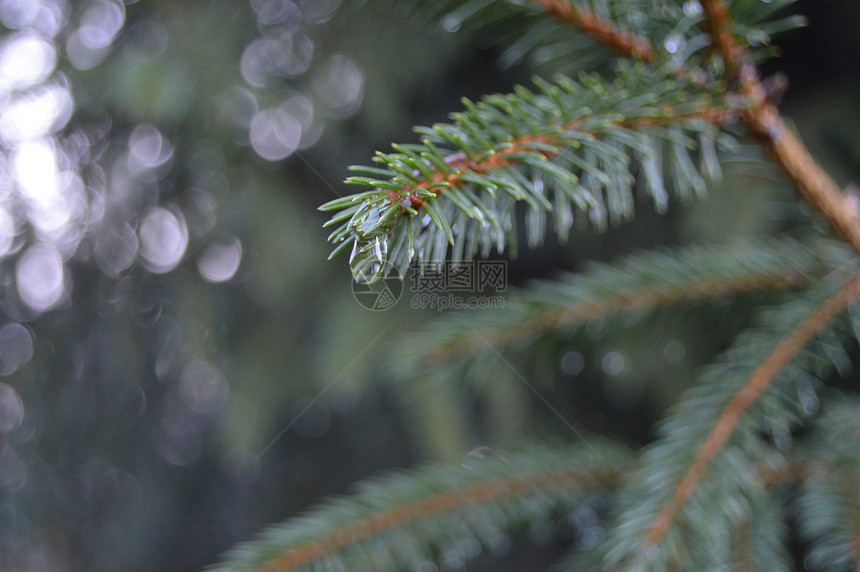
pixel 725 425
pixel 642 299
pixel 814 183
pixel 718 25
pixel 604 32
pixel 459 163
pixel 435 505
pixel 477 494
pixel 764 121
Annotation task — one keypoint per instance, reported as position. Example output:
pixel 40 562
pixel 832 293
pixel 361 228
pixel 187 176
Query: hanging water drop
pixel 674 43
pixel 451 24
pixel 692 8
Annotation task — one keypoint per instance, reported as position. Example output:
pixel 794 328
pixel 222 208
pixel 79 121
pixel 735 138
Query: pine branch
pixel 639 283
pixel 605 32
pixel 568 142
pixel 537 147
pixel 765 122
pixel 712 452
pixel 524 30
pixel 404 518
pixel 757 383
pixel 652 31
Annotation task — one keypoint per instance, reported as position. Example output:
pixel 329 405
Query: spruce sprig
pixel 564 147
pixel 437 511
pixel 640 283
pixel 569 36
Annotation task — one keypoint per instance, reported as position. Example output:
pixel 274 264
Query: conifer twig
pixel 757 383
pixel 459 163
pixel 559 317
pixel 765 122
pixel 604 32
pixel 437 504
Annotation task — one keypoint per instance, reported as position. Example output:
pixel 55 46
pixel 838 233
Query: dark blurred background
pixel 179 364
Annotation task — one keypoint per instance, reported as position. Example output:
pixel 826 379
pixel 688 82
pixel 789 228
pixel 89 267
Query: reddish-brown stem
pixel 470 496
pixel 752 389
pixel 604 32
pixel 718 25
pixel 814 183
pixel 763 119
pixel 641 299
pixel 435 505
pixel 460 163
pixel 765 122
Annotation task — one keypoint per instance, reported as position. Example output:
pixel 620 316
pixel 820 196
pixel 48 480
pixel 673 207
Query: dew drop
pixel 810 404
pixel 451 24
pixel 692 8
pixel 674 43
